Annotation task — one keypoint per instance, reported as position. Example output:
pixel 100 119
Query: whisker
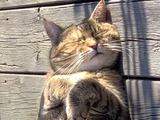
pixel 74 66
pixel 70 56
pixel 79 64
pixel 81 59
pixel 84 53
pixel 120 48
pixel 59 69
pixel 72 63
pixel 128 52
pixel 65 64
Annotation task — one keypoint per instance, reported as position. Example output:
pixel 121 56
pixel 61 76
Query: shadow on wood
pixel 142 97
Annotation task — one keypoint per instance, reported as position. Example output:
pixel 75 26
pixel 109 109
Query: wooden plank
pixel 137 20
pixel 20 96
pixel 16 4
pixel 143 99
pixel 134 20
pixel 140 58
pixel 19 3
pixel 25 44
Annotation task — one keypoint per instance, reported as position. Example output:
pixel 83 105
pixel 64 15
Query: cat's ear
pixel 53 31
pixel 101 13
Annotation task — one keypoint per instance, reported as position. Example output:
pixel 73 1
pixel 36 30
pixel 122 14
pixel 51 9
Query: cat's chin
pixel 98 59
pixel 97 62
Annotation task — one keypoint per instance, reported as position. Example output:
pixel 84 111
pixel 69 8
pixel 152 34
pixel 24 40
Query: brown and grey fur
pixel 83 84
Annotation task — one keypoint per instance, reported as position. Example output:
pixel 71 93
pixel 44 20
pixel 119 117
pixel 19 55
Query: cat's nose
pixel 92 43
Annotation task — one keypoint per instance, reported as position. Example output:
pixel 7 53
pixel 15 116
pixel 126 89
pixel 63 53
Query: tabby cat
pixel 83 84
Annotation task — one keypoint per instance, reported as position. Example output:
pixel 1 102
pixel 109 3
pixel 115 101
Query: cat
pixel 83 83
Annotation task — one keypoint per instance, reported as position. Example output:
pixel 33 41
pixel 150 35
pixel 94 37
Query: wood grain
pixel 20 96
pixel 140 58
pixel 143 99
pixel 24 48
pixel 25 44
pixel 18 4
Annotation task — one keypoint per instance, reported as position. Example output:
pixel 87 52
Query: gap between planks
pixel 45 4
pixel 58 3
pixel 125 77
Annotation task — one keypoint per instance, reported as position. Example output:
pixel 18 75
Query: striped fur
pixel 83 84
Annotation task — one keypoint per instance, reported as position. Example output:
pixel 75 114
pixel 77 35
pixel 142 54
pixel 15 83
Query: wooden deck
pixel 24 48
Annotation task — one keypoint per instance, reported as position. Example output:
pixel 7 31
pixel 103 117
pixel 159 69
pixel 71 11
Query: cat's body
pixel 81 96
pixel 82 85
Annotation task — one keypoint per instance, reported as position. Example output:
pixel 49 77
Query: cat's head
pixel 91 45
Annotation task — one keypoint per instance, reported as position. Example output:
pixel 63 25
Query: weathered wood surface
pixel 22 33
pixel 19 4
pixel 20 96
pixel 16 4
pixel 144 99
pixel 24 48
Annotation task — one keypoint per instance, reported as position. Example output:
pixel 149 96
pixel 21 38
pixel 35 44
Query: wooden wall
pixel 24 48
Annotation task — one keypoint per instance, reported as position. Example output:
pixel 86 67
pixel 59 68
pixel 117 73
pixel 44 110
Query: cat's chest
pixel 98 75
pixel 74 78
pixel 102 76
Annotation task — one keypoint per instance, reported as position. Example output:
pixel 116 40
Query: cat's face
pixel 90 45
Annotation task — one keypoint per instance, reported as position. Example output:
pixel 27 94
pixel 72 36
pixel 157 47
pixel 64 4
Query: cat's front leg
pixel 80 98
pixel 74 109
pixel 52 101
